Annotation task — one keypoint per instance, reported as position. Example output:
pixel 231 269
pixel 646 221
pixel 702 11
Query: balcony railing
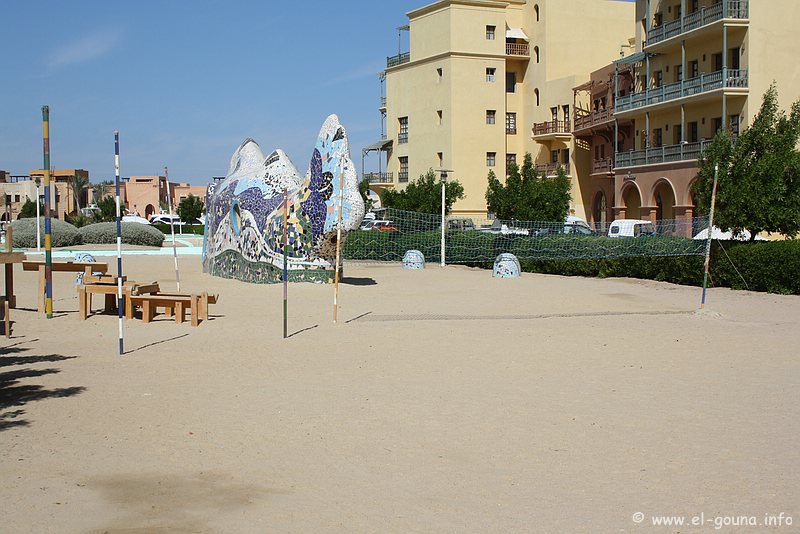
pixel 602 165
pixel 518 49
pixel 662 154
pixel 551 127
pixel 727 9
pixel 379 177
pixel 593 119
pixel 383 103
pixel 551 169
pixel 727 78
pixel 399 59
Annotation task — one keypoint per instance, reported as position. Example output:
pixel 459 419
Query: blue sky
pixel 186 81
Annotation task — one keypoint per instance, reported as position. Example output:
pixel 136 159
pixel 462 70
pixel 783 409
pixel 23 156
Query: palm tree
pixel 79 183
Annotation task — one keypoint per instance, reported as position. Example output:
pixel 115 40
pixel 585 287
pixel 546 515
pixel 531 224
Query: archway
pixel 536 52
pixel 536 94
pixel 536 11
pixel 148 211
pixel 600 212
pixel 632 200
pixel 664 199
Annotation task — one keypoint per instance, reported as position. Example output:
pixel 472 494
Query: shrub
pixel 196 229
pixel 63 233
pixel 132 234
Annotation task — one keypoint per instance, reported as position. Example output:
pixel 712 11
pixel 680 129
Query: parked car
pixel 460 224
pixel 381 225
pixel 165 218
pixel 631 228
pixel 498 227
pixel 135 219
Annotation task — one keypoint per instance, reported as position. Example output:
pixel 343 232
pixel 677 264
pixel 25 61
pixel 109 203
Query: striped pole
pixel 710 233
pixel 48 235
pixel 119 240
pixel 338 248
pixel 172 228
pixel 285 265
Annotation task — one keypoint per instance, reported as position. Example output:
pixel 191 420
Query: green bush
pixel 63 233
pixel 196 229
pixel 132 234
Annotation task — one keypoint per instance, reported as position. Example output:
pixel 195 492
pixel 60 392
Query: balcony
pixel 518 50
pixel 552 130
pixel 596 118
pixel 722 79
pixel 727 9
pixel 379 177
pixel 383 104
pixel 551 169
pixel 399 59
pixel 602 166
pixel 662 154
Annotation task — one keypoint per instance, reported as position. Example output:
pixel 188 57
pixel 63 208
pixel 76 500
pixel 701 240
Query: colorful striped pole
pixel 172 228
pixel 48 235
pixel 710 234
pixel 119 240
pixel 285 265
pixel 338 248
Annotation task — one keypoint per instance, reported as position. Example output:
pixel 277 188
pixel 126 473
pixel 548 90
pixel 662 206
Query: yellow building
pixel 699 65
pixel 486 81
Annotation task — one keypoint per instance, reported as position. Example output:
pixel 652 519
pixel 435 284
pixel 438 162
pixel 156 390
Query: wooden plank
pixel 147 311
pixel 102 279
pixel 142 289
pixel 82 303
pixel 12 257
pixel 195 310
pixel 180 311
pixel 66 266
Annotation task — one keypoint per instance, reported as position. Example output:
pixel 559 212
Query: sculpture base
pixel 231 264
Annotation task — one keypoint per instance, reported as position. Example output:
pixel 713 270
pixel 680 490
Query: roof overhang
pixel 516 33
pixel 383 144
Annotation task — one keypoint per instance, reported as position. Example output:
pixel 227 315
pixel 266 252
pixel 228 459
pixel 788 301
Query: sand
pixel 443 401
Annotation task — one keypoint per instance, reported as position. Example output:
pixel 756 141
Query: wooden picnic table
pixel 106 284
pixel 60 266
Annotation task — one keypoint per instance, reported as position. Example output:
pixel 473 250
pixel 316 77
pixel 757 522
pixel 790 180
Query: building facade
pixel 698 66
pixel 486 81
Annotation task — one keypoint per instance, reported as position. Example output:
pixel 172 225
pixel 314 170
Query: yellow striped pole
pixel 48 236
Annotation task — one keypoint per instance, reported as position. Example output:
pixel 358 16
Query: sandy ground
pixel 443 401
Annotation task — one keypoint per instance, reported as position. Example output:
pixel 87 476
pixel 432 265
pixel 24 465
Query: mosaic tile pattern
pixel 413 259
pixel 245 212
pixel 506 266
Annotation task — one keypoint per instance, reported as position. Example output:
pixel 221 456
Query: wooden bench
pixel 177 303
pixel 86 267
pixel 109 290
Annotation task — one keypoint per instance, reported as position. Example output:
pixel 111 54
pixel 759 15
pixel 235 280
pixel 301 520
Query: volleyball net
pixel 471 240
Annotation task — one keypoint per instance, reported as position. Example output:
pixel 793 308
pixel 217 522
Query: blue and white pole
pixel 119 240
pixel 172 229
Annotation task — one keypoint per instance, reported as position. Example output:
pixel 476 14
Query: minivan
pixel 631 228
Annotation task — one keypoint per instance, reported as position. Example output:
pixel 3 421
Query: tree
pixel 424 195
pixel 108 209
pixel 190 208
pixel 28 210
pixel 78 184
pixel 100 189
pixel 363 189
pixel 759 173
pixel 527 196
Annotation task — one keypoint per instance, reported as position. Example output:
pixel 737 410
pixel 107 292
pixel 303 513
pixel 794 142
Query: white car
pixel 134 219
pixel 165 218
pixel 631 228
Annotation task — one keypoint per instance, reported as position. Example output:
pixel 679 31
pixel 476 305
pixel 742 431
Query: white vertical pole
pixel 38 230
pixel 444 222
pixel 338 247
pixel 172 229
pixel 119 241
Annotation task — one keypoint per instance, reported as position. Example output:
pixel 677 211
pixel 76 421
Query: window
pixel 511 82
pixel 490 71
pixel 678 70
pixel 658 137
pixel 491 158
pixel 565 109
pixel 603 103
pixel 511 123
pixel 554 113
pixel 402 176
pixel 694 69
pixel 694 5
pixel 402 137
pixel 716 62
pixel 717 122
pixel 439 74
pixel 438 117
pixel 692 132
pixel 536 94
pixel 565 156
pixel 658 78
pixel 554 156
pixel 490 33
pixel 511 159
pixel 491 116
pixel 735 63
pixel 597 104
pixel 536 52
pixel 440 157
pixel 734 124
pixel 536 11
pixel 677 133
pixel 658 19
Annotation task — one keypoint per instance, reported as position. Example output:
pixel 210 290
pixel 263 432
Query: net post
pixel 48 234
pixel 119 242
pixel 285 265
pixel 172 230
pixel 710 234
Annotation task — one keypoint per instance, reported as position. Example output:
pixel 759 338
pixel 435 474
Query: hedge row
pixel 196 229
pixel 67 235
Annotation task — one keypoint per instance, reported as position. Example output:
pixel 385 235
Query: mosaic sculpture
pixel 413 259
pixel 506 266
pixel 245 212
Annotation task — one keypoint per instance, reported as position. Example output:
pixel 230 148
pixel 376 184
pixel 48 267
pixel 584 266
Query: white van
pixel 631 228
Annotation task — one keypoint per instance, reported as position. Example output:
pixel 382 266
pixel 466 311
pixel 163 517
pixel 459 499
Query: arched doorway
pixel 148 211
pixel 600 212
pixel 633 202
pixel 664 201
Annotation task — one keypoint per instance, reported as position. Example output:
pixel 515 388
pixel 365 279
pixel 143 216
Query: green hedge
pixel 196 229
pixel 132 234
pixel 63 233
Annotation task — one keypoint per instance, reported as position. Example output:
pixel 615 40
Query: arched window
pixel 536 11
pixel 536 51
pixel 600 212
pixel 536 93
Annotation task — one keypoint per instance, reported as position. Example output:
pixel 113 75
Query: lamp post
pixel 443 175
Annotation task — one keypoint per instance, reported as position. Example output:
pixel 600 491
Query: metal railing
pixel 551 127
pixel 662 154
pixel 383 102
pixel 602 165
pixel 399 59
pixel 593 119
pixel 379 177
pixel 727 9
pixel 551 169
pixel 727 78
pixel 518 49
